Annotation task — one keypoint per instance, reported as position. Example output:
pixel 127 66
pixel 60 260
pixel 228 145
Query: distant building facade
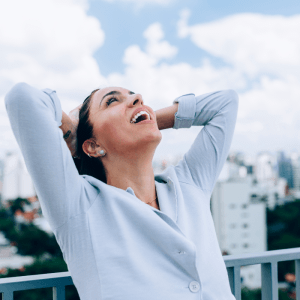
pixel 16 179
pixel 295 159
pixel 240 223
pixel 285 168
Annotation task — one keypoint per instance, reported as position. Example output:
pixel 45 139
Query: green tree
pixel 32 241
pixel 284 232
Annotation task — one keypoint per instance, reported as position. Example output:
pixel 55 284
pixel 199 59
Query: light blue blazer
pixel 116 246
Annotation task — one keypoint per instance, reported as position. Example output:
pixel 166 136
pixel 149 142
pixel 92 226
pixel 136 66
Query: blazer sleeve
pixel 217 112
pixel 35 117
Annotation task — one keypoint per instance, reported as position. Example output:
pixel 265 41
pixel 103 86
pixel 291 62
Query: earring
pixel 102 153
pixel 89 155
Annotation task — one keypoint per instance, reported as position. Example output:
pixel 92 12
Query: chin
pixel 155 136
pixel 159 136
pixel 150 141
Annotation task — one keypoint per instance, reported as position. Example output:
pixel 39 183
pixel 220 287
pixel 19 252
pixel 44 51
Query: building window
pixel 245 225
pixel 245 206
pixel 245 245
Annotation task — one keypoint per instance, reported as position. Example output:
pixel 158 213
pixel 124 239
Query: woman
pixel 125 233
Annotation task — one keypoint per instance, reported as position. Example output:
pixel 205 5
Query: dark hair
pixel 87 165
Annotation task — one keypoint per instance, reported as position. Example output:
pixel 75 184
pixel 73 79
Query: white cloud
pixel 259 52
pixel 157 48
pixel 261 64
pixel 264 51
pixel 252 43
pixel 159 82
pixel 154 33
pixel 48 43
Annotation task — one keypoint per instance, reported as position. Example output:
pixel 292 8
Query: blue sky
pixel 162 49
pixel 124 24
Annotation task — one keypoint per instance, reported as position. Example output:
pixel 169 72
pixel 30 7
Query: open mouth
pixel 141 116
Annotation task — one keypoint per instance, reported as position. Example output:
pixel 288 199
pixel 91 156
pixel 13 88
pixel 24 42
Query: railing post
pixel 269 281
pixel 231 278
pixel 234 275
pixel 297 273
pixel 7 295
pixel 59 293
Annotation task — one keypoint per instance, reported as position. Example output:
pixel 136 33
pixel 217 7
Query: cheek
pixel 113 133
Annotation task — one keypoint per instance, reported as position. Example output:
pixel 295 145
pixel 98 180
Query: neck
pixel 135 172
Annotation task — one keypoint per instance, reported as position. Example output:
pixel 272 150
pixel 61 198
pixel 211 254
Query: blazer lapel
pixel 167 196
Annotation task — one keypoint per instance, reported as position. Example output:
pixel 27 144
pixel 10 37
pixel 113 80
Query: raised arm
pixel 35 117
pixel 165 116
pixel 217 112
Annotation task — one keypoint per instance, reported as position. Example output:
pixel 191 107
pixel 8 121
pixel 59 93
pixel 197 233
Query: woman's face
pixel 112 113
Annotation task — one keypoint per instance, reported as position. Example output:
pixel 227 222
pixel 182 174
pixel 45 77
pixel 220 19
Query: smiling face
pixel 116 126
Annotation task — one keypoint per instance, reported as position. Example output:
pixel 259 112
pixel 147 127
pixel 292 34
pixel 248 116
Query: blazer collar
pixel 167 199
pixel 166 186
pixel 167 193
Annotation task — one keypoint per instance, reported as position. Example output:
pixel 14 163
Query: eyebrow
pixel 114 93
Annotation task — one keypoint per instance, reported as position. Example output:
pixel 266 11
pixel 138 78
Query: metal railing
pixel 269 274
pixel 267 259
pixel 57 281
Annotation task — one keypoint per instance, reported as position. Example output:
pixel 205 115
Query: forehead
pixel 97 97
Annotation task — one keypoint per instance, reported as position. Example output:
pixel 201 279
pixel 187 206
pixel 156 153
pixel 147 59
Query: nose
pixel 136 99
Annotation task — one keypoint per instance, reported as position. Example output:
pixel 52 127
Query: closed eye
pixel 110 100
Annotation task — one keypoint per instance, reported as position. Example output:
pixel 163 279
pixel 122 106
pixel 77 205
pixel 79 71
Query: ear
pixel 91 147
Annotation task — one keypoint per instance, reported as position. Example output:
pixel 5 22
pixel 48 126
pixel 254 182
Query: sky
pixel 162 49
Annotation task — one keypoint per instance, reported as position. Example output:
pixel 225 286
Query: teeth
pixel 139 114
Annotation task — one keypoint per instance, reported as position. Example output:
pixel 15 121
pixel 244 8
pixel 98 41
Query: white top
pixel 116 246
